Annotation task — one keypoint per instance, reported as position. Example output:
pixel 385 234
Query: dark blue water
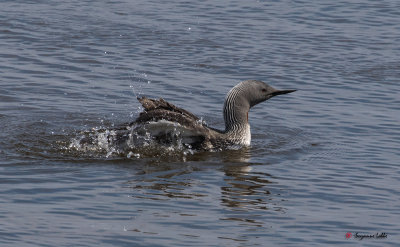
pixel 324 161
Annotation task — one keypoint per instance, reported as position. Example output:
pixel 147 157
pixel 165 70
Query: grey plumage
pixel 166 122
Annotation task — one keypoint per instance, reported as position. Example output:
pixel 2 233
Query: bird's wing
pixel 155 110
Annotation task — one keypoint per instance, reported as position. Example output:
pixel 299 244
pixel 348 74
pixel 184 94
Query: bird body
pixel 166 123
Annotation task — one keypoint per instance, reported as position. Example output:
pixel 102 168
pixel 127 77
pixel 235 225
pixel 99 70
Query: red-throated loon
pixel 165 123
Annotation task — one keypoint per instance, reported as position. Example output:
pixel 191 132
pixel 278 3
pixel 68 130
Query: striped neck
pixel 236 109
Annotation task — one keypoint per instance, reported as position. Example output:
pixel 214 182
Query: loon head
pixel 242 97
pixel 256 92
pixel 249 93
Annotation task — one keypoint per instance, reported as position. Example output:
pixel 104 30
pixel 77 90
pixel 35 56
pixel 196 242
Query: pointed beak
pixel 279 92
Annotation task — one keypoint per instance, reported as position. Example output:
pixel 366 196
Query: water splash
pixel 127 142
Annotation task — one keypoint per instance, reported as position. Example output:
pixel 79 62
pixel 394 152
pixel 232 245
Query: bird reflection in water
pixel 245 190
pixel 241 188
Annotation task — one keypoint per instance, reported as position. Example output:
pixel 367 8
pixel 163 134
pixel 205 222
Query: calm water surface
pixel 324 161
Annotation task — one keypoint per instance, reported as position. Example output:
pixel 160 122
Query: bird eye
pixel 263 90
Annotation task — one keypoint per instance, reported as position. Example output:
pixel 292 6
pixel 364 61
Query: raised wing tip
pixel 141 98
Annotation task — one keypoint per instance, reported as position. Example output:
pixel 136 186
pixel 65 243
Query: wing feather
pixel 155 110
